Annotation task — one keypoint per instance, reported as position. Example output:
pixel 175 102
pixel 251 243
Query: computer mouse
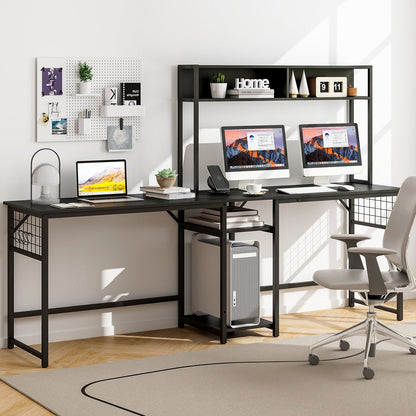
pixel 345 188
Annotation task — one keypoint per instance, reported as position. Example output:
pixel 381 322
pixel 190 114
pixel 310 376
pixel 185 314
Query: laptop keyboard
pixel 118 199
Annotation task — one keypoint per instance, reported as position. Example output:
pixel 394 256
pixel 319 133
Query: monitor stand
pixel 322 181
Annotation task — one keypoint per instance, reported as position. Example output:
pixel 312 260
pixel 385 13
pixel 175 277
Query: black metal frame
pixel 27 235
pixel 19 236
pixel 192 88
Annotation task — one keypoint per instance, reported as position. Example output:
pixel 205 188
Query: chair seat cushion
pixel 356 280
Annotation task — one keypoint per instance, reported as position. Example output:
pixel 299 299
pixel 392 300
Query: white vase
pixel 303 87
pixel 85 87
pixel 293 88
pixel 218 89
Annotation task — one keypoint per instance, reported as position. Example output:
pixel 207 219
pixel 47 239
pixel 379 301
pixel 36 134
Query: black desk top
pixel 204 199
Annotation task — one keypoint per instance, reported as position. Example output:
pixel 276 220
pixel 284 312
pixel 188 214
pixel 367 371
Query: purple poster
pixel 51 81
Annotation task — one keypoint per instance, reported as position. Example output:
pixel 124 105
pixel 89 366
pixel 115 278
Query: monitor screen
pixel 251 150
pixel 101 177
pixel 330 145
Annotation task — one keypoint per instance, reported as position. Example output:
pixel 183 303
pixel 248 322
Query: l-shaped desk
pixel 27 234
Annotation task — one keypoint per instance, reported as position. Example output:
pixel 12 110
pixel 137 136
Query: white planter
pixel 218 89
pixel 85 87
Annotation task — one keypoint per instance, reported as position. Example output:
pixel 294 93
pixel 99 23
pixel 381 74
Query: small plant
pixel 84 71
pixel 166 173
pixel 220 78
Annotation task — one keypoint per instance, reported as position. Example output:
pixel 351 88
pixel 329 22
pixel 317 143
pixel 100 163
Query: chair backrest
pixel 396 235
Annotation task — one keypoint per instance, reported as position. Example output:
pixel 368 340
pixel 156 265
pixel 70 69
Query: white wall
pixel 95 259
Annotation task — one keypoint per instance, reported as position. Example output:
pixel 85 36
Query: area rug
pixel 268 378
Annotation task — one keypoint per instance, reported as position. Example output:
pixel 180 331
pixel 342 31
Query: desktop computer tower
pixel 243 280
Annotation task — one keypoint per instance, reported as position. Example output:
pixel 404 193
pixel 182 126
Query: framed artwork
pixel 119 140
pixel 52 81
pixel 51 100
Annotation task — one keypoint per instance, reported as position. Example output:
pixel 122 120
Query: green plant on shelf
pixel 85 71
pixel 166 173
pixel 218 78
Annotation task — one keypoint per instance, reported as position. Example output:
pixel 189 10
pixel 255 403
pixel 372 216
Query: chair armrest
pixel 350 237
pixel 375 279
pixel 377 251
pixel 351 240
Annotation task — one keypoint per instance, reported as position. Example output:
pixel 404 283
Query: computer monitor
pixel 255 152
pixel 329 150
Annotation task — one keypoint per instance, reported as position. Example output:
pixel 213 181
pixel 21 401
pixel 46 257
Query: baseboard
pixel 92 332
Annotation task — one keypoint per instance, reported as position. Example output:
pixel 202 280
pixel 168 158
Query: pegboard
pixel 107 72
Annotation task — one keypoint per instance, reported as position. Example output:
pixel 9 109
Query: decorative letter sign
pixel 251 83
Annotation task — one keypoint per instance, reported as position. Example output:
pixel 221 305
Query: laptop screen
pixel 97 178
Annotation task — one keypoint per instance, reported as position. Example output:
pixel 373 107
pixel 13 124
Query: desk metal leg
pixel 181 269
pixel 45 294
pixel 275 268
pixel 351 230
pixel 10 279
pixel 223 275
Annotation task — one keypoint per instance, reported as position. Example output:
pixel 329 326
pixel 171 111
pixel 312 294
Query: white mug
pixel 253 188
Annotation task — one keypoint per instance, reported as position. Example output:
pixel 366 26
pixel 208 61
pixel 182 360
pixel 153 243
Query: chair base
pixel 371 326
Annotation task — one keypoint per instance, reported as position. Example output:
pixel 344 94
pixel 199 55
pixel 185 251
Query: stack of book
pixel 251 93
pixel 174 192
pixel 237 217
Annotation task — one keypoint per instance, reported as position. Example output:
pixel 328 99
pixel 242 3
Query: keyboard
pixel 305 190
pixel 106 200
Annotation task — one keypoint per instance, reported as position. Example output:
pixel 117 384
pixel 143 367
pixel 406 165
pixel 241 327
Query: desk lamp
pixel 45 186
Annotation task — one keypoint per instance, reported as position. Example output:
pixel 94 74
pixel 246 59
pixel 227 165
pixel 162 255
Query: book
pixel 130 93
pixel 216 224
pixel 251 95
pixel 248 91
pixel 175 195
pixel 160 190
pixel 231 211
pixel 254 96
pixel 231 219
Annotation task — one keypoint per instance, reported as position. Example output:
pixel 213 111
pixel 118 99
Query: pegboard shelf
pixel 122 111
pixel 87 95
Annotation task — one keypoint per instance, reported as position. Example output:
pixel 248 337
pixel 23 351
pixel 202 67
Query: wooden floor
pixel 167 341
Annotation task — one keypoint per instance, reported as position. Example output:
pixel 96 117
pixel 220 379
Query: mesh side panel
pixel 27 233
pixel 373 211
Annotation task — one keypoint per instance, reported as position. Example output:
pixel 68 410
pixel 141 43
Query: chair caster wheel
pixel 313 359
pixel 368 373
pixel 412 350
pixel 344 345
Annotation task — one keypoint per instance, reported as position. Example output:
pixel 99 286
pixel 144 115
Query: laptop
pixel 103 181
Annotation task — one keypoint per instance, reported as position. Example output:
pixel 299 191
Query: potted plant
pixel 166 178
pixel 218 86
pixel 85 75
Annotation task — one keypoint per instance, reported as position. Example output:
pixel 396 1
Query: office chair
pixel 376 287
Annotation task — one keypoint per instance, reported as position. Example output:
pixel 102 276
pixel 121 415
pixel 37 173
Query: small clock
pixel 328 86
